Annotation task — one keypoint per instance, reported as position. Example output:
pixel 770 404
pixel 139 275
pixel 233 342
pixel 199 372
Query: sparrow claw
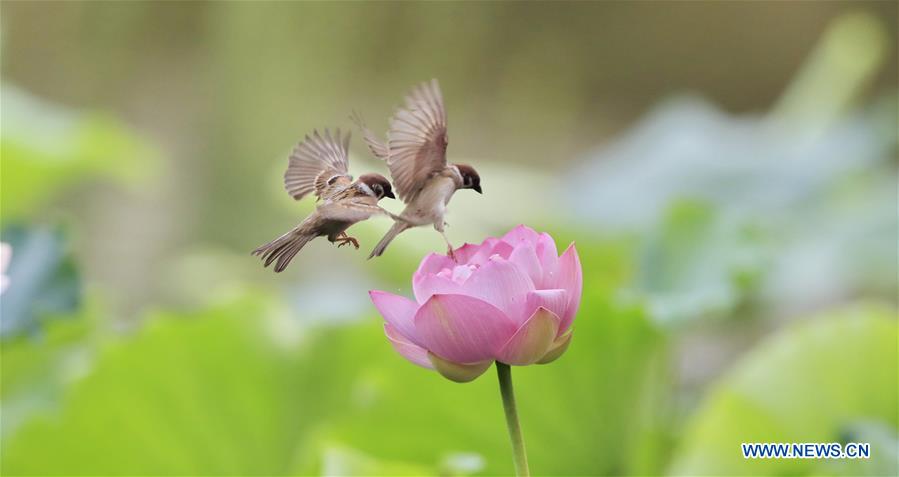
pixel 451 254
pixel 345 240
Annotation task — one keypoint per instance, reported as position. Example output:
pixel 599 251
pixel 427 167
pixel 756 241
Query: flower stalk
pixel 504 373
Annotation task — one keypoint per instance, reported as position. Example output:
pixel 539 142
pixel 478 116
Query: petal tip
pixel 558 348
pixel 458 372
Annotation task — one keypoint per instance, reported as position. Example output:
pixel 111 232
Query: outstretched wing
pixel 416 141
pixel 378 148
pixel 318 164
pixel 351 205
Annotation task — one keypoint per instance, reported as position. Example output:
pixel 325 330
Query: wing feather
pixel 378 148
pixel 318 164
pixel 417 140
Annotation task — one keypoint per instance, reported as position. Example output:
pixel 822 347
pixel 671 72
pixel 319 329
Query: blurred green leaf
pixel 814 382
pixel 35 370
pixel 697 265
pixel 337 460
pixel 201 393
pixel 43 279
pixel 46 148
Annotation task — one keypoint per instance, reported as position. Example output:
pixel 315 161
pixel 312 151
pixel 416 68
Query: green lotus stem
pixel 504 372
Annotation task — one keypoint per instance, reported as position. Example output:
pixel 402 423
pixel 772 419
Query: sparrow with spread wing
pixel 416 156
pixel 319 165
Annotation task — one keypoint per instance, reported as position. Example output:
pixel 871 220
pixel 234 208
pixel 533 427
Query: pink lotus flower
pixel 510 300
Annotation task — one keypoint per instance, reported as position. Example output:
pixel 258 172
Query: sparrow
pixel 415 153
pixel 319 165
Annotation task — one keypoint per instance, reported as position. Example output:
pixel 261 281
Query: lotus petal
pixel 461 328
pixel 434 263
pixel 548 256
pixel 458 372
pixel 521 234
pixel 426 286
pixel 559 346
pixel 526 258
pixel 502 284
pixel 414 353
pixel 398 311
pixel 479 254
pixel 555 301
pixel 532 340
pixel 569 277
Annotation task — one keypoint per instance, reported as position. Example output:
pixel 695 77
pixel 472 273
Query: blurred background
pixel 727 170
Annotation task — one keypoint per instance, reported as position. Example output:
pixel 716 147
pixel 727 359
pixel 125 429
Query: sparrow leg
pixel 449 246
pixel 344 239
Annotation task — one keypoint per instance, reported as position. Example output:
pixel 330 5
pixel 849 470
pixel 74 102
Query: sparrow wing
pixel 351 206
pixel 378 148
pixel 318 164
pixel 416 141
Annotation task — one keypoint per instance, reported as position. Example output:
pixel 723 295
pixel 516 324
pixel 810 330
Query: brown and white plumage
pixel 319 164
pixel 416 140
pixel 416 156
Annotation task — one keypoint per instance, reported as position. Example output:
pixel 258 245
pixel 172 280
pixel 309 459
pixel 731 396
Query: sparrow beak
pixel 477 189
pixel 390 194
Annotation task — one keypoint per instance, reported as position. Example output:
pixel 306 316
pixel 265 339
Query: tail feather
pixel 283 249
pixel 391 234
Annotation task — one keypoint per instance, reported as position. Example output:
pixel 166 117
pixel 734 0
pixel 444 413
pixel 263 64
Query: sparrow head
pixel 378 184
pixel 470 177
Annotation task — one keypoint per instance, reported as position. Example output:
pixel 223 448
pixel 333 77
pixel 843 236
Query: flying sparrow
pixel 319 165
pixel 416 156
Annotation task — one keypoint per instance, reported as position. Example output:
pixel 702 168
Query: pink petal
pixel 465 252
pixel 479 254
pixel 526 258
pixel 568 276
pixel 520 235
pixel 502 249
pixel 502 284
pixel 548 256
pixel 398 311
pixel 555 301
pixel 425 286
pixel 461 273
pixel 462 329
pixel 402 345
pixel 532 340
pixel 433 263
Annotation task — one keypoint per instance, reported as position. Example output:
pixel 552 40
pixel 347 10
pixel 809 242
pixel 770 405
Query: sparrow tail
pixel 391 234
pixel 282 249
